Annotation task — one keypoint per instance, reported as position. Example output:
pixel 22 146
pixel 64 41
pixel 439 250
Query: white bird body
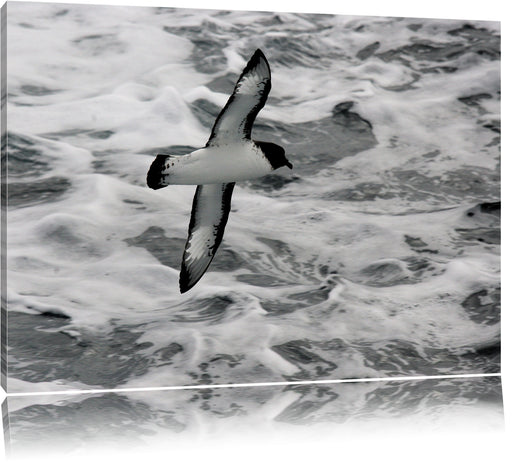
pixel 217 164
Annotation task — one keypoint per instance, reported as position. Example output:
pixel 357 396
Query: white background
pixel 455 446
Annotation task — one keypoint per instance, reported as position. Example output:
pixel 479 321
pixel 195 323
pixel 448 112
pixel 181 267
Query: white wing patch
pixel 254 82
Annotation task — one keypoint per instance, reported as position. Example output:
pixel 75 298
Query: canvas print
pixel 200 197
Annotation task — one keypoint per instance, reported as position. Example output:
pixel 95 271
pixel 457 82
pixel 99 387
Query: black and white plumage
pixel 210 210
pixel 230 155
pixel 248 97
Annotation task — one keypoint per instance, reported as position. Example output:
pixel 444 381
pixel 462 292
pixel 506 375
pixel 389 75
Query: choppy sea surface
pixel 378 255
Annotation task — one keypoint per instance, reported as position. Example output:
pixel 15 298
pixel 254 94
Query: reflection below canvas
pixel 63 425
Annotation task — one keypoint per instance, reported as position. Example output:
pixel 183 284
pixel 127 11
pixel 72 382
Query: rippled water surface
pixel 377 255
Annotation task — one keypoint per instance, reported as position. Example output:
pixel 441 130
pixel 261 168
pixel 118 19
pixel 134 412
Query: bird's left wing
pixel 234 123
pixel 210 211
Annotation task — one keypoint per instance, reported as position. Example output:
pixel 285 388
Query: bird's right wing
pixel 210 211
pixel 234 123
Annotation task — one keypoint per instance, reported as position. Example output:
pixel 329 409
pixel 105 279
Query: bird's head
pixel 274 154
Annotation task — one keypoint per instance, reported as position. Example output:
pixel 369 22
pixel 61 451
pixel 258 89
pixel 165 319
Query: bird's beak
pixel 289 165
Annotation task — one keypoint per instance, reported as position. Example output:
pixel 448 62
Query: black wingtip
pixel 255 58
pixel 154 177
pixel 188 279
pixel 185 282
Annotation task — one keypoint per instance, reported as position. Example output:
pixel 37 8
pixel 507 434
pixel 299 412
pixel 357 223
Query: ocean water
pixel 378 255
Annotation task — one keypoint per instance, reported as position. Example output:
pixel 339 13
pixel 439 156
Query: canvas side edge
pixel 3 194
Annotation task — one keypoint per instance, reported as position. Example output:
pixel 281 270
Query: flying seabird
pixel 230 155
